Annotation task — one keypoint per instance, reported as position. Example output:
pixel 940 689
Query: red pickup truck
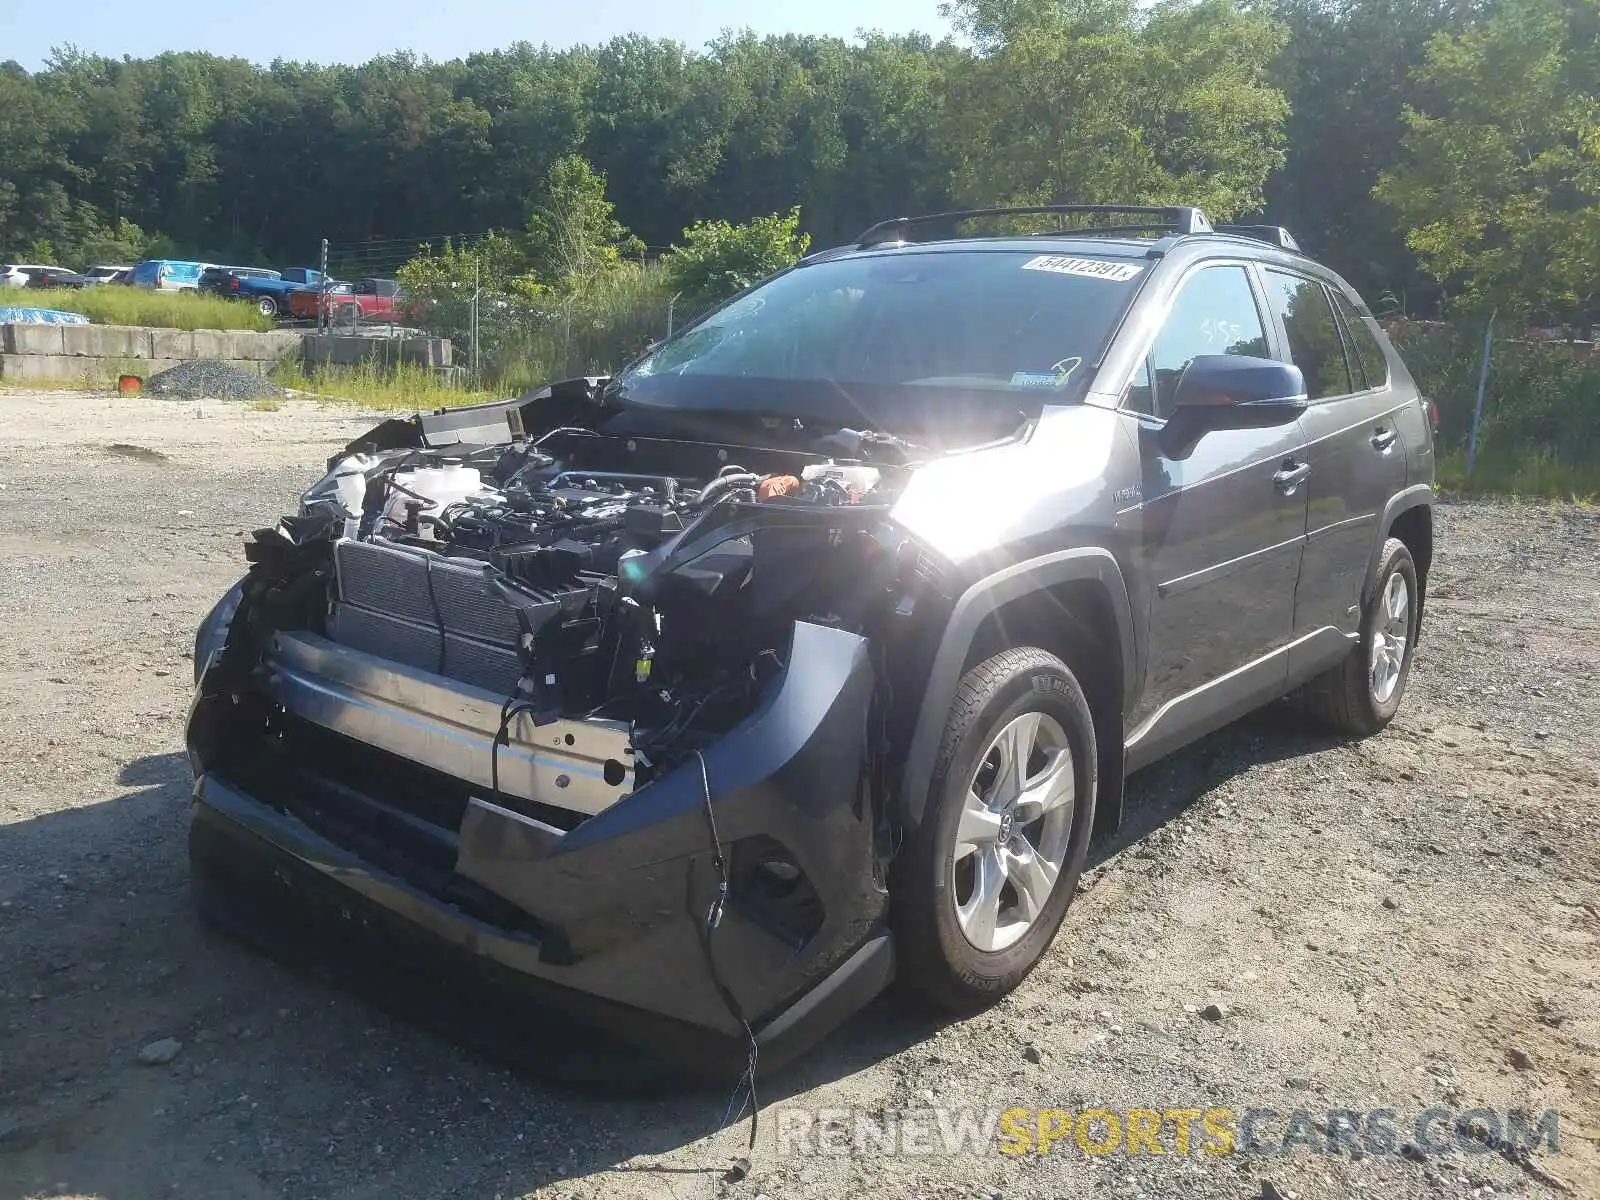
pixel 352 303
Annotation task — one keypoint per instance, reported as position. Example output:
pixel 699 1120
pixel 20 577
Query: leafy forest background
pixel 1444 155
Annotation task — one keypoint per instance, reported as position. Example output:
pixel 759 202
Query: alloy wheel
pixel 1011 840
pixel 1390 637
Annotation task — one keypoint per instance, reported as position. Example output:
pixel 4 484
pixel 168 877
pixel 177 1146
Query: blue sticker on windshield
pixel 1055 377
pixel 1037 379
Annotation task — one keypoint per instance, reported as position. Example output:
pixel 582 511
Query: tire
pixel 949 952
pixel 1360 696
pixel 347 314
pixel 267 306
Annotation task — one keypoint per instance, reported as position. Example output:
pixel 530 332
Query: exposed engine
pixel 661 600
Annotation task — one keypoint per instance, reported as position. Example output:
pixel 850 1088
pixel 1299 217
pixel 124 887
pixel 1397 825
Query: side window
pixel 1214 312
pixel 1366 354
pixel 1314 342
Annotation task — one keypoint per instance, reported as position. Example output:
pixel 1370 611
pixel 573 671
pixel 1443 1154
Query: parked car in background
pixel 352 303
pixel 168 275
pixel 269 291
pixel 57 277
pixel 224 281
pixel 106 274
pixel 307 306
pixel 215 278
pixel 16 275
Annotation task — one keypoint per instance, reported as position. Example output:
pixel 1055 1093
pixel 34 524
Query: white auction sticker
pixel 1093 268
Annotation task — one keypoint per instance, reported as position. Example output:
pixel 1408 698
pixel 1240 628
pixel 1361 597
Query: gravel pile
pixel 206 378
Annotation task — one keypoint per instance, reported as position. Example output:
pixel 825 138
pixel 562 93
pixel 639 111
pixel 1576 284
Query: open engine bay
pixel 558 621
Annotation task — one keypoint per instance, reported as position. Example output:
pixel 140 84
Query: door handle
pixel 1291 476
pixel 1382 438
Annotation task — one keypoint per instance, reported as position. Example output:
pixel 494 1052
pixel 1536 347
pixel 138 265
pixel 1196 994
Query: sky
pixel 355 30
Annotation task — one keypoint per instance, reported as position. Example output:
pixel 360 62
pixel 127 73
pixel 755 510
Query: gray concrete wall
pixel 347 350
pixel 70 352
pixel 71 368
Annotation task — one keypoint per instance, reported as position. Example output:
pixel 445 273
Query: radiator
pixel 433 613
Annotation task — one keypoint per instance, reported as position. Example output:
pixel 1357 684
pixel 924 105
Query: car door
pixel 1221 530
pixel 1353 447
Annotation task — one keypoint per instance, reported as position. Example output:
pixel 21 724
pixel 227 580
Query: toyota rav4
pixel 813 647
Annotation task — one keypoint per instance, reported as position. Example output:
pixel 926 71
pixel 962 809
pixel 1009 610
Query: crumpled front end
pixel 621 734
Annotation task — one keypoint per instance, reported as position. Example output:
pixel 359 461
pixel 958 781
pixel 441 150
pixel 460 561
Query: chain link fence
pixel 500 339
pixel 1505 398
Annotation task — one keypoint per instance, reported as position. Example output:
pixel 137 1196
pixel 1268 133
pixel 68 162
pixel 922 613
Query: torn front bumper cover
pixel 604 920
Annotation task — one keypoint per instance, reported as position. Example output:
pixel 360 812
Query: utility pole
pixel 1477 408
pixel 322 308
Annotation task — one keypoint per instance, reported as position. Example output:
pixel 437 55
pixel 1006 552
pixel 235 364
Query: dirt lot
pixel 1404 923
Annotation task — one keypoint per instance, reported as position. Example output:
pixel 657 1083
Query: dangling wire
pixel 744 1089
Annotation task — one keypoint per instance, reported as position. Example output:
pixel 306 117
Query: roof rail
pixel 1175 218
pixel 1273 235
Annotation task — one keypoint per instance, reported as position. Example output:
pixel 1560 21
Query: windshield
pixel 987 319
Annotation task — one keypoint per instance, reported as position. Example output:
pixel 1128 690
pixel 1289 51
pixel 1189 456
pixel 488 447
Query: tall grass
pixel 601 330
pixel 114 305
pixel 525 342
pixel 1531 474
pixel 401 386
pixel 1540 433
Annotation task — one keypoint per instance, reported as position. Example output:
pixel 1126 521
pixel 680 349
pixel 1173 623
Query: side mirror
pixel 1231 391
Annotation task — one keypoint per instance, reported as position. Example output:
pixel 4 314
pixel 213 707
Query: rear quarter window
pixel 1366 352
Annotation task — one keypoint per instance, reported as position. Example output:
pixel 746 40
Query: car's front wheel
pixel 267 306
pixel 983 882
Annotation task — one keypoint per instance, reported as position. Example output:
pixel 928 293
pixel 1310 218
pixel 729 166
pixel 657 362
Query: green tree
pixel 35 167
pixel 1500 188
pixel 1347 71
pixel 573 237
pixel 659 120
pixel 1101 102
pixel 540 105
pixel 717 259
pixel 493 263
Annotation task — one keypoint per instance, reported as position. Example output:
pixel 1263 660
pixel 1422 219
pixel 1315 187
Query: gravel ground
pixel 1401 923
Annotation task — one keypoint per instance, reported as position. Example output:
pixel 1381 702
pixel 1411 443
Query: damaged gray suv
pixel 812 649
